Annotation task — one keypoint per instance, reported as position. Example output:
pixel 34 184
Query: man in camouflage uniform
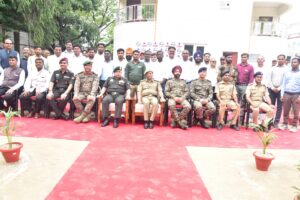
pixel 226 95
pixel 258 96
pixel 177 93
pixel 228 67
pixel 116 88
pixel 149 93
pixel 201 92
pixel 86 86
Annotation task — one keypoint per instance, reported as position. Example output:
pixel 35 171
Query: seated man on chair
pixel 227 97
pixel 11 80
pixel 60 86
pixel 177 93
pixel 258 96
pixel 116 87
pixel 201 92
pixel 36 84
pixel 149 93
pixel 85 87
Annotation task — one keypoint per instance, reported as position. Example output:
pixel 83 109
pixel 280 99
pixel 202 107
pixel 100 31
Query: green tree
pixel 48 21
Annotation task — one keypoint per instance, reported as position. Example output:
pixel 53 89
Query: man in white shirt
pixel 31 60
pixel 99 57
pixel 76 60
pixel 53 60
pixel 147 60
pixel 11 80
pixel 187 67
pixel 120 61
pixel 159 67
pixel 36 84
pixel 206 60
pixel 212 72
pixel 274 84
pixel 260 67
pixel 107 68
pixel 170 62
pixel 69 50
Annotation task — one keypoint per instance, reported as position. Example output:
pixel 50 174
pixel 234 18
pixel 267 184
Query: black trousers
pixel 26 101
pixel 10 99
pixel 276 99
pixel 58 107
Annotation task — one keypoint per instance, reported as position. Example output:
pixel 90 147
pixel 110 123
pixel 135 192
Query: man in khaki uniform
pixel 226 95
pixel 258 96
pixel 149 92
pixel 86 86
pixel 177 92
pixel 201 92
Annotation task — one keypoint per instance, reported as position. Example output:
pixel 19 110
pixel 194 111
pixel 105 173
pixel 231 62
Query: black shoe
pixel 234 127
pixel 105 122
pixel 151 124
pixel 146 125
pixel 203 124
pixel 220 127
pixel 116 123
pixel 63 116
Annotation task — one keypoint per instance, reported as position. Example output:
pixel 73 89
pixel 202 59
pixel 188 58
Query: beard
pixel 177 76
pixel 128 58
pixel 229 61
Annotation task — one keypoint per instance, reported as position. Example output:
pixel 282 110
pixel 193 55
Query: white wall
pixel 202 22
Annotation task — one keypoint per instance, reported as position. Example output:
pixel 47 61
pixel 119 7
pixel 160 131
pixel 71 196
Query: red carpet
pixel 133 163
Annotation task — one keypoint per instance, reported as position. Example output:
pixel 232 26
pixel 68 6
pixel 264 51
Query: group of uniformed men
pixel 199 94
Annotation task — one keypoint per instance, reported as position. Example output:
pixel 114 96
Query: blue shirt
pixel 291 82
pixel 4 57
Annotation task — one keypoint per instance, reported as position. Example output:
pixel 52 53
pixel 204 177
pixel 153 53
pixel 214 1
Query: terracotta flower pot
pixel 13 154
pixel 263 161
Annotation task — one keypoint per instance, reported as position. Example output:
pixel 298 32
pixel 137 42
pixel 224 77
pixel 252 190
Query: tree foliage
pixel 49 21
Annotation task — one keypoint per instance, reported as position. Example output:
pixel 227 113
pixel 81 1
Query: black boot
pixel 203 124
pixel 105 122
pixel 151 124
pixel 146 125
pixel 116 123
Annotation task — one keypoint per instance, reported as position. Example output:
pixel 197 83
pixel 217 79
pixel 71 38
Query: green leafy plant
pixel 8 127
pixel 297 189
pixel 265 137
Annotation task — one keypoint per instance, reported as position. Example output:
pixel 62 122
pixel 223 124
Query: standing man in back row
pixel 134 72
pixel 274 84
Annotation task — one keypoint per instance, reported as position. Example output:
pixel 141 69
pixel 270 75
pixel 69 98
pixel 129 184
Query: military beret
pixel 117 69
pixel 225 72
pixel 63 59
pixel 148 70
pixel 201 69
pixel 257 74
pixel 177 67
pixel 88 62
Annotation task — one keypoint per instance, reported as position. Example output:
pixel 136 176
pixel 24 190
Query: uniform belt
pixel 115 93
pixel 292 93
pixel 151 95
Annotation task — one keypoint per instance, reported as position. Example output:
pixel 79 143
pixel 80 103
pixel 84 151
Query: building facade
pixel 253 26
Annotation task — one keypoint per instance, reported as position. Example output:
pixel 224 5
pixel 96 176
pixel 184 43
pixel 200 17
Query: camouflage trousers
pixel 179 115
pixel 199 108
pixel 78 104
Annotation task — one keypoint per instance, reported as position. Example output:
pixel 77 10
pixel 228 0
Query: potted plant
pixel 264 159
pixel 10 150
pixel 297 197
